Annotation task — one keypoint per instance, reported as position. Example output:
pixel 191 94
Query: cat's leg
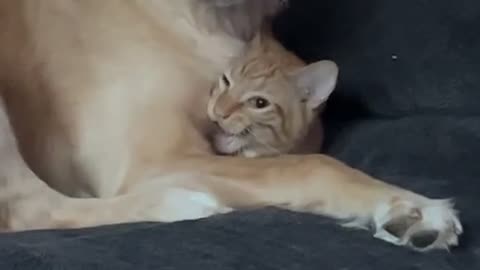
pixel 322 185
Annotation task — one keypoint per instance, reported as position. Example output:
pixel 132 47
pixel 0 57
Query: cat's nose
pixel 227 113
pixel 221 114
pixel 224 112
pixel 216 113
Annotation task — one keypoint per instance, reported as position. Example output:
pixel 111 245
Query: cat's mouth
pixel 231 143
pixel 233 131
pixel 245 132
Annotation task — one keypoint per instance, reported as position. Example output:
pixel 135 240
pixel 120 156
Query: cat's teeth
pixel 228 144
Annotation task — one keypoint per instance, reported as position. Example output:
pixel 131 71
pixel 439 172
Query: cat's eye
pixel 259 102
pixel 226 81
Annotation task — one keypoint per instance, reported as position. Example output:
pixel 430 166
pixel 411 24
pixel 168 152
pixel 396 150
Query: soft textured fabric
pixel 407 110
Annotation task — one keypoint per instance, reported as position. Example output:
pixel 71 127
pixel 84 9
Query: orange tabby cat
pixel 260 108
pixel 106 103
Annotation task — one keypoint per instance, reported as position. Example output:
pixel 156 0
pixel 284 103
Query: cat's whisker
pixel 260 141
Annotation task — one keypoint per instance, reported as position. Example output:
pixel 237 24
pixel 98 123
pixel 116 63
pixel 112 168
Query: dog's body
pixel 107 100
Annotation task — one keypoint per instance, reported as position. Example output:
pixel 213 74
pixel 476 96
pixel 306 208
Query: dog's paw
pixel 423 225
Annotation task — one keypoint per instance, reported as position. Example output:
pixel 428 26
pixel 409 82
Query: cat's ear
pixel 317 81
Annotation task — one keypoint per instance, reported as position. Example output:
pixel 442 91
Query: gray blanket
pixel 407 110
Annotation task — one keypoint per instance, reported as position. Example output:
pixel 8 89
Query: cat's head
pixel 266 102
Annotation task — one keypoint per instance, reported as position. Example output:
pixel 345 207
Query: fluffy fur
pixel 104 121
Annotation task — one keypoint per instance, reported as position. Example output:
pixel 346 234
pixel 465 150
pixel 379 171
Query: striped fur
pixel 243 129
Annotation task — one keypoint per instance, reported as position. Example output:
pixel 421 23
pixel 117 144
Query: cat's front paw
pixel 423 225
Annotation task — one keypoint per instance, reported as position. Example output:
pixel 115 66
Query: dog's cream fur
pixel 107 100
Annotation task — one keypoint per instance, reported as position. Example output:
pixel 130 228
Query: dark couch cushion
pixel 395 57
